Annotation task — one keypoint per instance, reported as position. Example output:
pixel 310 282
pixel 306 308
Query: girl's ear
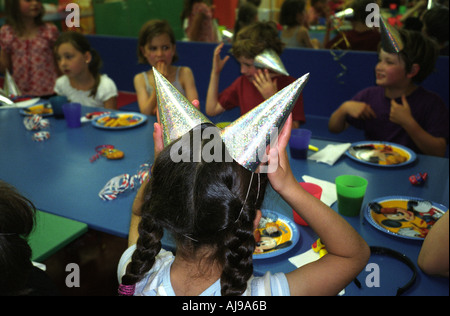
pixel 87 57
pixel 414 71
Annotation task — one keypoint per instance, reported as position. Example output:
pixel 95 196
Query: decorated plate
pixel 382 154
pixel 44 109
pixel 121 120
pixel 402 216
pixel 275 235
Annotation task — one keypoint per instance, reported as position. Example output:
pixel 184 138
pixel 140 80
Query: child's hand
pixel 162 68
pixel 400 113
pixel 359 110
pixel 263 82
pixel 282 177
pixel 158 139
pixel 218 63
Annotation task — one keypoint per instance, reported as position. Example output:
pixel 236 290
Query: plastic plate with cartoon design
pixel 381 154
pixel 122 120
pixel 403 216
pixel 271 245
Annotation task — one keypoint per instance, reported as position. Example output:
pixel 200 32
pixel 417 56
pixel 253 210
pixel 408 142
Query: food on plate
pixel 118 120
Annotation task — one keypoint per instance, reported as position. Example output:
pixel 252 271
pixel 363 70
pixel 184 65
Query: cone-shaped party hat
pixel 246 139
pixel 391 41
pixel 176 114
pixel 269 59
pixel 10 87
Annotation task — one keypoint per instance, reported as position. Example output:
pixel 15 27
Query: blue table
pixel 59 178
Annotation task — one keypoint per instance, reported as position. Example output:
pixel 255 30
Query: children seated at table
pixel 157 48
pixel 361 36
pixel 398 110
pixel 82 81
pixel 295 33
pixel 26 48
pixel 18 275
pixel 254 85
pixel 211 210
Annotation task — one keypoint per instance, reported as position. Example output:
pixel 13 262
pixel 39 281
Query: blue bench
pixel 333 80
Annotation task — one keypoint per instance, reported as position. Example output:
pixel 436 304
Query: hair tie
pixel 126 290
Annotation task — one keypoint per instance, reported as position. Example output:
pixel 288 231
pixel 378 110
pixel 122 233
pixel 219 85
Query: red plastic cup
pixel 312 189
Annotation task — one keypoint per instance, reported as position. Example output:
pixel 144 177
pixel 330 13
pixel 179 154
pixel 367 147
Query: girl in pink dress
pixel 200 25
pixel 27 47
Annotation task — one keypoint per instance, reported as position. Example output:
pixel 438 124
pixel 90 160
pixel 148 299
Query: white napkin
pixel 330 154
pixel 329 195
pixel 305 258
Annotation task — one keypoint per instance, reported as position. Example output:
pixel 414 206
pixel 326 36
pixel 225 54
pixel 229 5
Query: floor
pixel 97 255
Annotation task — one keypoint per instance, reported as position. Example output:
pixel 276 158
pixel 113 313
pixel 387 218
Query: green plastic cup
pixel 350 194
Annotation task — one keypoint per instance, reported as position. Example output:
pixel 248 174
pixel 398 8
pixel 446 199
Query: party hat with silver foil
pixel 9 87
pixel 391 41
pixel 176 114
pixel 246 139
pixel 269 59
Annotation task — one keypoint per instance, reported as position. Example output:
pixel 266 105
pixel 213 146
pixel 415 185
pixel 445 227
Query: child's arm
pixel 359 110
pixel 5 62
pixel 133 233
pixel 147 103
pixel 430 145
pixel 433 257
pixel 347 254
pixel 213 107
pixel 187 81
pixel 111 103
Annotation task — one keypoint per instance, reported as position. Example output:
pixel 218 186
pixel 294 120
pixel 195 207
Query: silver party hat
pixel 246 139
pixel 269 59
pixel 176 114
pixel 9 87
pixel 391 41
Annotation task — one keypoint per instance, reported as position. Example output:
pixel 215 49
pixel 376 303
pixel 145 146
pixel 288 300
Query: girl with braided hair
pixel 211 209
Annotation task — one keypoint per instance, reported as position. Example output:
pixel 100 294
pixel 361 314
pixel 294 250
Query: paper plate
pixel 43 109
pixel 403 216
pixel 122 120
pixel 289 233
pixel 381 154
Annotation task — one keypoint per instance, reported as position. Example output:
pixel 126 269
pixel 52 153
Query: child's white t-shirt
pixel 156 282
pixel 105 91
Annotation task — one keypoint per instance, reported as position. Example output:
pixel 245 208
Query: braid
pixel 238 260
pixel 147 248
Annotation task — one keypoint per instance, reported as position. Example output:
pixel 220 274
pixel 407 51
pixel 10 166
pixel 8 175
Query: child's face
pixel 248 68
pixel 390 70
pixel 30 8
pixel 71 61
pixel 160 49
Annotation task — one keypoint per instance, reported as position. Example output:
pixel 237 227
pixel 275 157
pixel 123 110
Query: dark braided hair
pixel 199 204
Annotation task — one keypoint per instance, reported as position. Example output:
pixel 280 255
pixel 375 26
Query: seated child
pixel 18 275
pixel 157 47
pixel 361 36
pixel 212 209
pixel 82 81
pixel 397 109
pixel 254 85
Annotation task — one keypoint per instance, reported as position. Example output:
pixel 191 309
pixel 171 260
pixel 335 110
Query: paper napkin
pixel 329 195
pixel 330 154
pixel 305 258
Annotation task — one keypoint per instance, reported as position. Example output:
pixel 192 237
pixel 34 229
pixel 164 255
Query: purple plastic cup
pixel 299 143
pixel 72 113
